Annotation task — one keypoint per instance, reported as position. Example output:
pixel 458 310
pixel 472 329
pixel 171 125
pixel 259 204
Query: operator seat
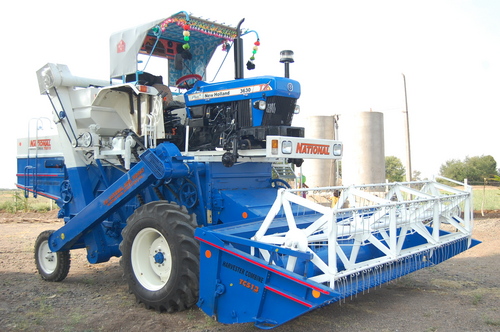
pixel 154 81
pixel 165 93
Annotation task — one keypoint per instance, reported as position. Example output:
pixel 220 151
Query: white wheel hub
pixel 151 259
pixel 46 258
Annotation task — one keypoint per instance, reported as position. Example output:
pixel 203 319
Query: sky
pixel 350 56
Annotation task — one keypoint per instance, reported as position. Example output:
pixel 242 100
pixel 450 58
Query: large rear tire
pixel 52 266
pixel 160 257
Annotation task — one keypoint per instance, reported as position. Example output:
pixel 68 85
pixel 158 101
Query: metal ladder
pixel 283 171
pixel 31 168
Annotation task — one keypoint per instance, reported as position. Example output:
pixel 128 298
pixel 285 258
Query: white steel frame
pixel 392 210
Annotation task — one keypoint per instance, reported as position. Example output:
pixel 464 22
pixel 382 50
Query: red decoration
pixel 120 47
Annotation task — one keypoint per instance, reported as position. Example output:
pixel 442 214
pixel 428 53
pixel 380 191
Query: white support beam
pixel 382 223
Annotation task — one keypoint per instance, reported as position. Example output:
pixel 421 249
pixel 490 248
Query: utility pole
pixel 407 132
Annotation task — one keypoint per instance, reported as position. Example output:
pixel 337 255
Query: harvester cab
pixel 181 108
pixel 174 175
pixel 201 116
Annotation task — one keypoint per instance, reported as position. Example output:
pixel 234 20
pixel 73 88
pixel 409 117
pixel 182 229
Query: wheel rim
pixel 46 258
pixel 151 259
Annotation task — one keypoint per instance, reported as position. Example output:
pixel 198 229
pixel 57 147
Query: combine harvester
pixel 179 185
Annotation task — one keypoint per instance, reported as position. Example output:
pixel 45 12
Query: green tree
pixel 453 169
pixel 474 169
pixel 416 176
pixel 394 169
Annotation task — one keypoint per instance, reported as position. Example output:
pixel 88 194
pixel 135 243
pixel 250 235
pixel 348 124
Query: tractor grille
pixel 279 111
pixel 244 113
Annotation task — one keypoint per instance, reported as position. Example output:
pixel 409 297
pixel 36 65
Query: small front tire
pixel 52 266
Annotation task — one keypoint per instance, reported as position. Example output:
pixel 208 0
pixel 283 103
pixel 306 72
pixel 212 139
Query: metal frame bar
pixel 384 216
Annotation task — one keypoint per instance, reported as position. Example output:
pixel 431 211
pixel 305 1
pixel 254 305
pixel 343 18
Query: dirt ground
pixel 462 294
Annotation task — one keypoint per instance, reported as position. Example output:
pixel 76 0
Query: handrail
pixel 28 167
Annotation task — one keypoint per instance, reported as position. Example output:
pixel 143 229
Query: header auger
pixel 174 175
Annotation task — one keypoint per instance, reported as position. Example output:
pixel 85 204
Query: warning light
pixel 274 146
pixel 244 215
pixel 315 293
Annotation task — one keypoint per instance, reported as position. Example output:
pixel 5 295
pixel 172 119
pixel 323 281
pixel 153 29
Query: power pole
pixel 407 132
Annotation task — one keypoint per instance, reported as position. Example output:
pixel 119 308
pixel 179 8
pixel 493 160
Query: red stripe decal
pixel 288 296
pixel 40 175
pixel 37 192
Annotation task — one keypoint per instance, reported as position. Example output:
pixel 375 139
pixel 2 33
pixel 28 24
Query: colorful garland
pixel 205 27
pixel 186 34
pixel 255 49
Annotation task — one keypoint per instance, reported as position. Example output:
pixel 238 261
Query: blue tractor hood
pixel 249 88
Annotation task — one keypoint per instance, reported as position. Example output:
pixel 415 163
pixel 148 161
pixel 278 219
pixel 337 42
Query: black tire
pixel 160 257
pixel 52 266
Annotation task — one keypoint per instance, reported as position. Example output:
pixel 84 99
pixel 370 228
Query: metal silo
pixel 363 161
pixel 319 172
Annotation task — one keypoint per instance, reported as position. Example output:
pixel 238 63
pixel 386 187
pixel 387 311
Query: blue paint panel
pixel 271 294
pixel 284 295
pixel 279 86
pixel 42 176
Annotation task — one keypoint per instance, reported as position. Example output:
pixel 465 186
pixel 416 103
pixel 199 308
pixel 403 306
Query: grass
pixel 15 201
pixel 477 298
pixel 486 198
pixel 491 322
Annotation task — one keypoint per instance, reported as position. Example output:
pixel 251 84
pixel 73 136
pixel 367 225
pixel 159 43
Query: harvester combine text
pixel 174 175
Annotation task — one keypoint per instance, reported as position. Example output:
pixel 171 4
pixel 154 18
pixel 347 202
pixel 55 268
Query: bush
pixel 17 203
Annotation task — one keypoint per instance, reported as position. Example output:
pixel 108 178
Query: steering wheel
pixel 181 83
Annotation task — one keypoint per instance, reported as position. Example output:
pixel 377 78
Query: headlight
pixel 286 147
pixel 260 104
pixel 337 149
pixel 296 110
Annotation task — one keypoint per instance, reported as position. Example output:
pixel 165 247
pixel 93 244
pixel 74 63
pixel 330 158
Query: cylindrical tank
pixel 319 172
pixel 363 161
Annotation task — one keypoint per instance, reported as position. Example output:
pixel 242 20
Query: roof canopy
pixel 166 38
